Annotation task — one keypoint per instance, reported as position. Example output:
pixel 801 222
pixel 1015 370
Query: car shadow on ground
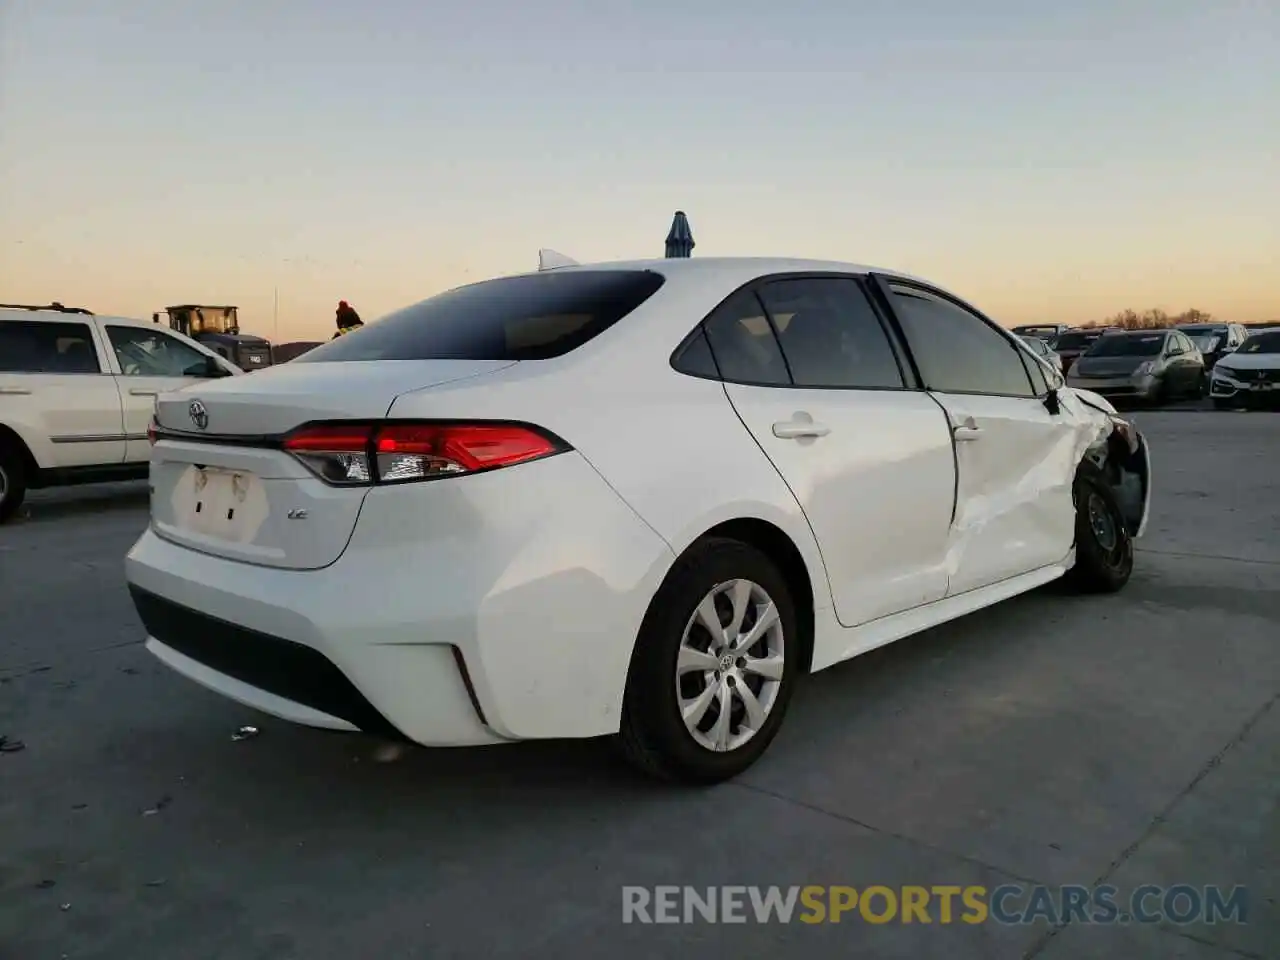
pixel 825 704
pixel 44 506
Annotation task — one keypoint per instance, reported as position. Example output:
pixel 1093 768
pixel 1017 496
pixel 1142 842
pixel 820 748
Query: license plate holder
pixel 219 503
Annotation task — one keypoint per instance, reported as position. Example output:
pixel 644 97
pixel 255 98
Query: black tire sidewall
pixel 651 698
pixel 16 482
pixel 1093 569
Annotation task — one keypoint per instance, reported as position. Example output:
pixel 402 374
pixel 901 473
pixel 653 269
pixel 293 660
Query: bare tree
pixel 1152 319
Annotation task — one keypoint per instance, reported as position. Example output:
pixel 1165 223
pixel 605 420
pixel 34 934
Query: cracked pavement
pixel 1052 739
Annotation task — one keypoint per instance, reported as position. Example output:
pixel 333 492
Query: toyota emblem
pixel 199 415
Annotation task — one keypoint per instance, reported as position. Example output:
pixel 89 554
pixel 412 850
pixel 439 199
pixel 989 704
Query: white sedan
pixel 633 499
pixel 1249 376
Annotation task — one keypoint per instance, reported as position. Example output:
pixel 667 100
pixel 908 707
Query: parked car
pixel 1251 375
pixel 421 530
pixel 77 392
pixel 1041 349
pixel 1070 344
pixel 1215 340
pixel 1045 331
pixel 1149 365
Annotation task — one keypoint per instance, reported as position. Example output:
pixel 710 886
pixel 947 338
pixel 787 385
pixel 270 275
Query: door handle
pixel 15 391
pixel 799 429
pixel 142 392
pixel 968 430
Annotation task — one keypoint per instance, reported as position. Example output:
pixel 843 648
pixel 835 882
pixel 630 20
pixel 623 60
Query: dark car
pixel 1072 343
pixel 1150 365
pixel 1045 331
pixel 1215 340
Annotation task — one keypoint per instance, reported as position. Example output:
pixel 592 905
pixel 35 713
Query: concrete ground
pixel 1128 740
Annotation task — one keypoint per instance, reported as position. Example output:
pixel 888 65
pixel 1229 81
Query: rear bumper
pixel 474 610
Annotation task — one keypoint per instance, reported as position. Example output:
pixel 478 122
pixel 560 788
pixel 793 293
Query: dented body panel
pixel 1120 451
pixel 1014 509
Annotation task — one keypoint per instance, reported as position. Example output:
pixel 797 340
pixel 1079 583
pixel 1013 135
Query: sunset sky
pixel 1051 162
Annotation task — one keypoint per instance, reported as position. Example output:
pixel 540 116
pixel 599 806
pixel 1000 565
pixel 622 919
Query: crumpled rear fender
pixel 1120 452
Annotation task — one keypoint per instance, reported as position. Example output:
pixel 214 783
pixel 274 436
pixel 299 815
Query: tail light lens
pixel 361 454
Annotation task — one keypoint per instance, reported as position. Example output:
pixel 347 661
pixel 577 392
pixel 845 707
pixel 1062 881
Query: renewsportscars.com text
pixel 938 904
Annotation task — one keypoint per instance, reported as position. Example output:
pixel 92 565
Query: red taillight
pixel 399 452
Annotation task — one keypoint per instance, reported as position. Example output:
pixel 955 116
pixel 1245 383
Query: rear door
pixel 1016 459
pixel 813 375
pixel 149 362
pixel 56 392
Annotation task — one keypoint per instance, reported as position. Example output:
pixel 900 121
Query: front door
pixel 1016 460
pixel 151 362
pixel 810 371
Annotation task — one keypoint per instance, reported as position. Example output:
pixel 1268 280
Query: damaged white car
pixel 632 499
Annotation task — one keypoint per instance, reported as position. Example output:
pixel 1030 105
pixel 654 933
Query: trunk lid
pixel 222 489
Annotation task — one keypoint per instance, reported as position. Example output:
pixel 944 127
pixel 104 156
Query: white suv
pixel 77 392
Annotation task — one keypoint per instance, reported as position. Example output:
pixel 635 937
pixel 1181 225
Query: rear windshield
pixel 1074 341
pixel 1132 345
pixel 1262 343
pixel 532 317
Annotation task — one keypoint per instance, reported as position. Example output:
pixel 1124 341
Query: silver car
pixel 1148 365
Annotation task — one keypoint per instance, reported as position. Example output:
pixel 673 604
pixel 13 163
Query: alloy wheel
pixel 730 665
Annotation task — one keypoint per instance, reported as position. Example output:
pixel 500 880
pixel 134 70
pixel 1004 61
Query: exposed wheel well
pixel 9 438
pixel 780 549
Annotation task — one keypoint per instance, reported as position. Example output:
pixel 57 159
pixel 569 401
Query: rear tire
pixel 680 664
pixel 13 480
pixel 1104 549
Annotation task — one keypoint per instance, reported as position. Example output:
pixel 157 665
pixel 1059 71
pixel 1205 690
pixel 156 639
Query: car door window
pixel 695 359
pixel 36 346
pixel 830 334
pixel 957 351
pixel 150 353
pixel 742 340
pixel 1036 371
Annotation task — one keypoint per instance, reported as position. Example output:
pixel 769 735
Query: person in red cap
pixel 347 319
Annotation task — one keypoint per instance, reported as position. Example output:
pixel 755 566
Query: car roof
pixel 738 270
pixel 65 316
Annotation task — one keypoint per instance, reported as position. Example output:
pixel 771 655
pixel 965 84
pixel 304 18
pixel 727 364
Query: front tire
pixel 1104 549
pixel 13 481
pixel 713 668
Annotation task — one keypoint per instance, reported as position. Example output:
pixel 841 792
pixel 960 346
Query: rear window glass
pixel 1128 345
pixel 1074 341
pixel 532 317
pixel 35 346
